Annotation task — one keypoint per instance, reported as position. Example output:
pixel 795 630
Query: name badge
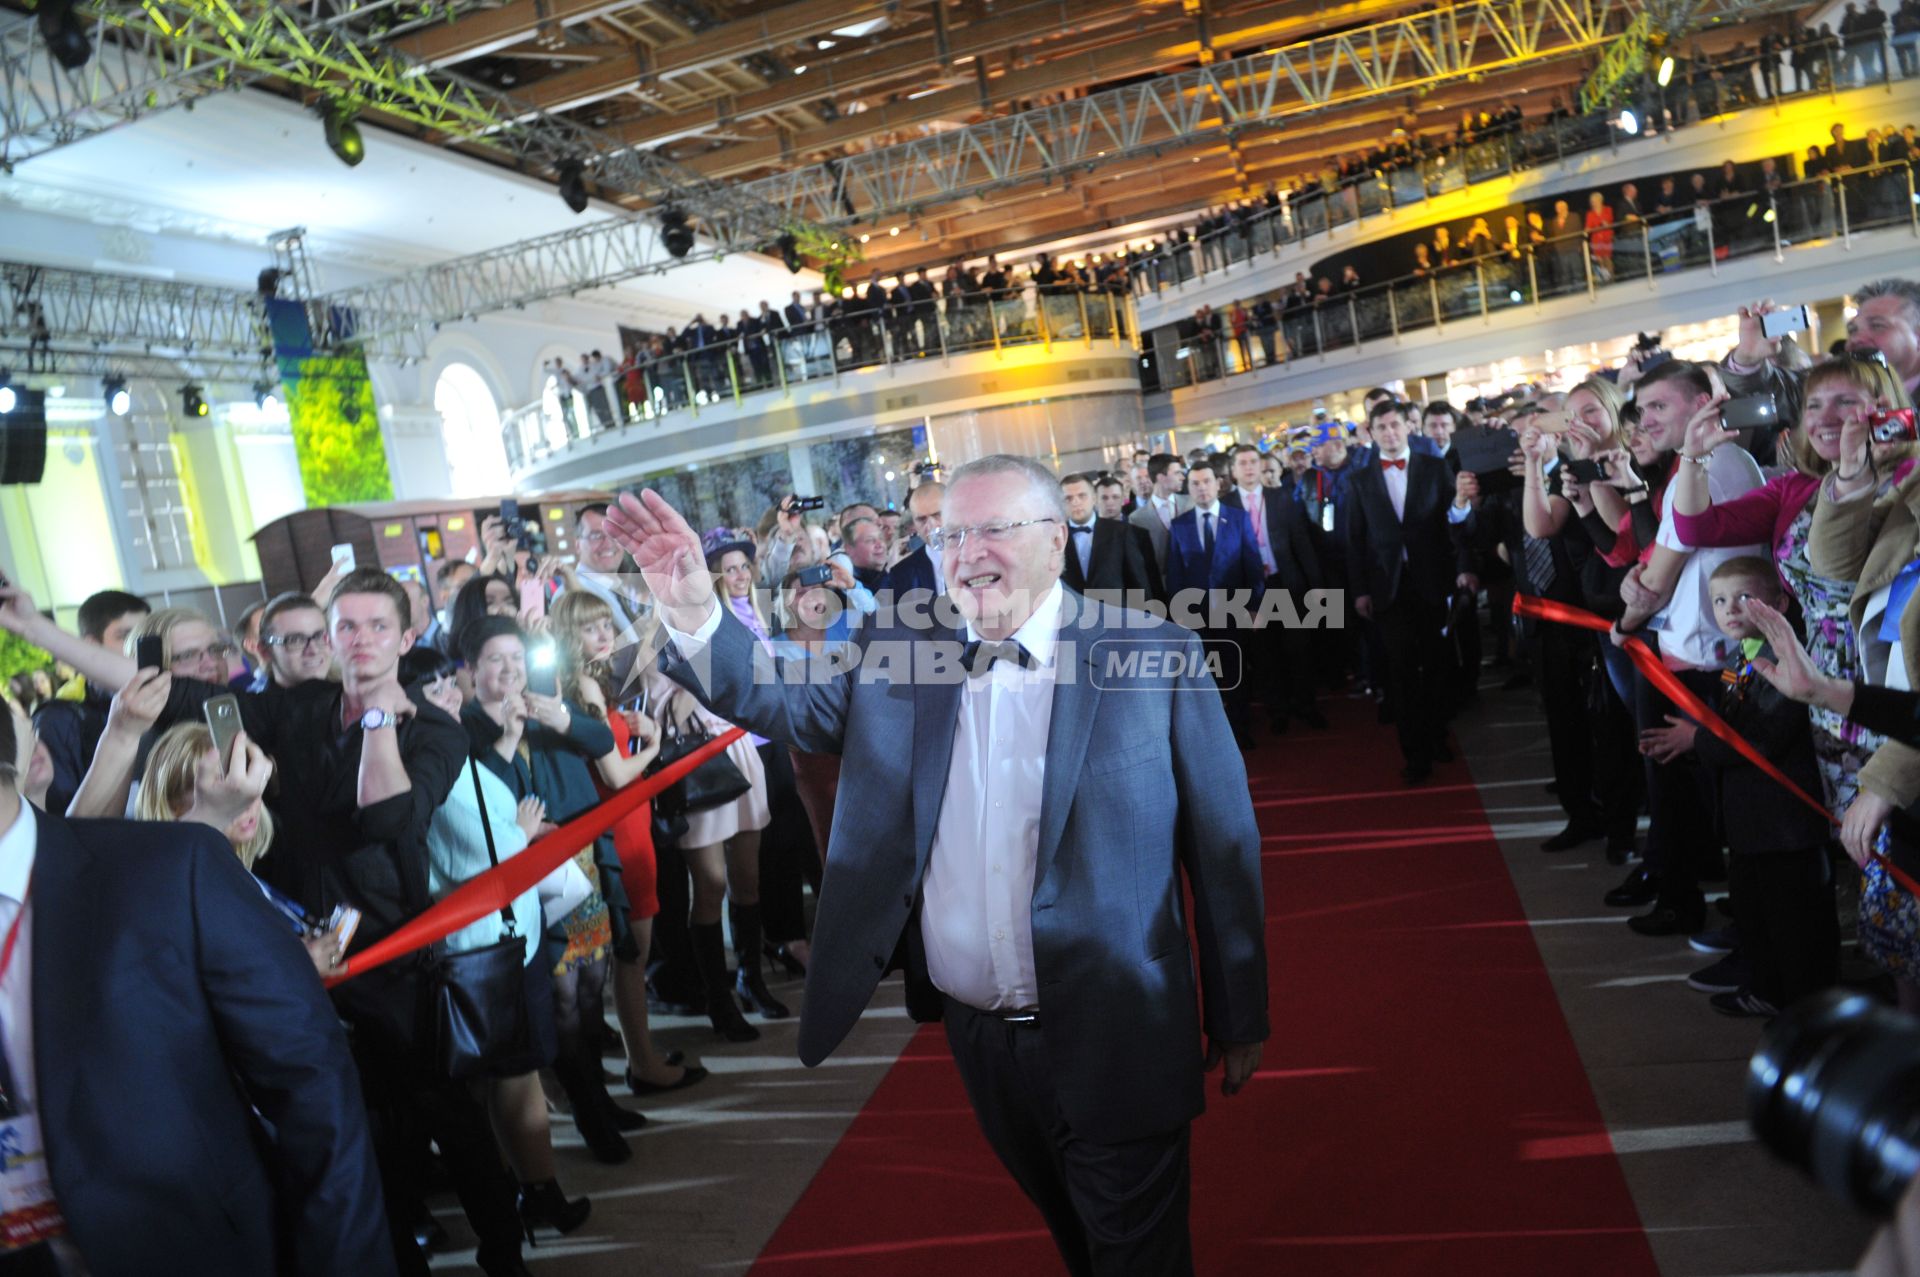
pixel 28 1213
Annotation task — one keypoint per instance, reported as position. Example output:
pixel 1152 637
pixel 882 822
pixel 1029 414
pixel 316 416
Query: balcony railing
pixel 681 384
pixel 1496 276
pixel 1512 149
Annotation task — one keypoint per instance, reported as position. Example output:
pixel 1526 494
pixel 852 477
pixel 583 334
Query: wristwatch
pixel 374 719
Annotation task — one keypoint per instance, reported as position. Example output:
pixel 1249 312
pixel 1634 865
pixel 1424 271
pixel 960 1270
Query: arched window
pixel 470 431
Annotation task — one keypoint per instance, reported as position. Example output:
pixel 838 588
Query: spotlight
pixel 192 402
pixel 675 235
pixel 64 33
pixel 8 396
pixel 343 132
pixel 1629 123
pixel 790 253
pixel 573 184
pixel 114 389
pixel 1666 71
pixel 263 394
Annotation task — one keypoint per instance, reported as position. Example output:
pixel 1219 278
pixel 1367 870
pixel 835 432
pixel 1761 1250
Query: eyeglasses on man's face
pixel 297 642
pixel 951 539
pixel 194 655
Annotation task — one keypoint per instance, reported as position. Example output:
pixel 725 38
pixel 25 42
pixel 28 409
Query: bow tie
pixel 978 656
pixel 1075 527
pixel 1401 464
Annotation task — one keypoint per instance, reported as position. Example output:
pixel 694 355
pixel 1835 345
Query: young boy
pixel 1778 875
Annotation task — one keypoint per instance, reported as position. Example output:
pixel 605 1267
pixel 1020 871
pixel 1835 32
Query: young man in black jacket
pixel 1778 875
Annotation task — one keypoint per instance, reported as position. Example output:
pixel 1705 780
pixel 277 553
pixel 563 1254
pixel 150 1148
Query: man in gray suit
pixel 1022 861
pixel 1157 513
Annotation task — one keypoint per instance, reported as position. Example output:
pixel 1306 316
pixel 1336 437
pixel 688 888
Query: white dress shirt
pixel 976 917
pixel 17 846
pixel 1253 501
pixel 1164 507
pixel 1082 545
pixel 1201 515
pixel 1396 480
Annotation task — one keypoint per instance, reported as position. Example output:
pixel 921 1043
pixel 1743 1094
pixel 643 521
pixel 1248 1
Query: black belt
pixel 1025 1017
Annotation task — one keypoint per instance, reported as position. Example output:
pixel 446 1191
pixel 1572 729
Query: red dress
pixel 633 841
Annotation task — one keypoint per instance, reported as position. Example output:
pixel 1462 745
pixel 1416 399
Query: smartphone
pixel 818 574
pixel 1751 412
pixel 223 720
pixel 147 653
pixel 1894 425
pixel 800 504
pixel 1778 323
pixel 510 517
pixel 543 673
pixel 533 596
pixel 341 926
pixel 1585 471
pixel 343 559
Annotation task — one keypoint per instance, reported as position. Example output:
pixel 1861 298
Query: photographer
pixel 1886 320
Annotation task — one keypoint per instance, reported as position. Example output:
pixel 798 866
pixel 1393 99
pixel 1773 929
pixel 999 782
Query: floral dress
pixel 1889 918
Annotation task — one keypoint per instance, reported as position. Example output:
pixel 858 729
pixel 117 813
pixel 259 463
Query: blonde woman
pixel 190 646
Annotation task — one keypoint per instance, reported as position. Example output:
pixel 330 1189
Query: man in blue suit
pixel 1212 548
pixel 163 1031
pixel 1020 839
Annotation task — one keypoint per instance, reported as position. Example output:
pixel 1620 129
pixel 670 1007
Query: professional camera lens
pixel 1835 1090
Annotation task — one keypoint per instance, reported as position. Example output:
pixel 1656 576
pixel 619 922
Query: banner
pixel 330 404
pixel 497 888
pixel 1656 672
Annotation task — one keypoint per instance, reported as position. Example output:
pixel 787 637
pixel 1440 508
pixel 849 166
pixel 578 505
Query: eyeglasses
pixel 219 651
pixel 992 533
pixel 303 642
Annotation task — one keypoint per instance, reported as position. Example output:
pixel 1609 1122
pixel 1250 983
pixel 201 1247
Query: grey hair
pixel 1906 290
pixel 1043 483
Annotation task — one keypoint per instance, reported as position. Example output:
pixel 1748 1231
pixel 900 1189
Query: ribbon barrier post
pixel 494 890
pixel 1656 672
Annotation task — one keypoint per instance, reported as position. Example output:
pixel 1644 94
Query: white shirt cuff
pixel 689 645
pixel 1459 514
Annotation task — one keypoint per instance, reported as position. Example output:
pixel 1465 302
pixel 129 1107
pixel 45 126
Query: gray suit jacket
pixel 1142 781
pixel 1145 517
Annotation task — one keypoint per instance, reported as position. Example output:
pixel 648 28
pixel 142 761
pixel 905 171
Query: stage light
pixel 64 33
pixel 790 253
pixel 114 389
pixel 573 184
pixel 8 396
pixel 192 402
pixel 1629 123
pixel 263 395
pixel 1666 71
pixel 675 235
pixel 343 133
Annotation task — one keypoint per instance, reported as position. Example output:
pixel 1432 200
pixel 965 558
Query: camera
pixel 525 534
pixel 1835 1089
pixel 1892 425
pixel 800 505
pixel 1750 412
pixel 818 574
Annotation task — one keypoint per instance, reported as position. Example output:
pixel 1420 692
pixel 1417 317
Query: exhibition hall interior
pixel 570 570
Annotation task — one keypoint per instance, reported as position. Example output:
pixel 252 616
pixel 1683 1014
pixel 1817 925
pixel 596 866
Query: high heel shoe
pixel 748 983
pixel 751 988
pixel 590 1102
pixel 498 1261
pixel 710 953
pixel 778 953
pixel 543 1205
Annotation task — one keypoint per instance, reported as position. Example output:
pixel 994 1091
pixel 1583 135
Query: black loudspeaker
pixel 23 438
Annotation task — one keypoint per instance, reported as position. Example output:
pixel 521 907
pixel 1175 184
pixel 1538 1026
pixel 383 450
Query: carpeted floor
pixel 1420 1110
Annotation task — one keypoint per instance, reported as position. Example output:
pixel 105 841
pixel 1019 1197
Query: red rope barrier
pixel 498 887
pixel 1656 672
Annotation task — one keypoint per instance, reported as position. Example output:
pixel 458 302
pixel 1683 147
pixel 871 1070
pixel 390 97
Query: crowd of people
pixel 395 740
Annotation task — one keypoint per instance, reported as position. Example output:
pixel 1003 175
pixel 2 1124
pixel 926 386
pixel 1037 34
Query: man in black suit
pixel 1404 564
pixel 920 570
pixel 1102 561
pixel 1110 502
pixel 1282 655
pixel 168 1045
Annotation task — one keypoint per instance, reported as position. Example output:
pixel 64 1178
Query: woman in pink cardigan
pixel 1781 513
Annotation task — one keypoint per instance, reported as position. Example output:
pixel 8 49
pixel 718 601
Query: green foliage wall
pixel 336 430
pixel 17 656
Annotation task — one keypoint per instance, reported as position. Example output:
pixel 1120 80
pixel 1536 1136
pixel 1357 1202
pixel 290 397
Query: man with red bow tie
pixel 1404 564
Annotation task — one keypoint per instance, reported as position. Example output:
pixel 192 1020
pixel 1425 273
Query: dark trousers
pixel 1280 665
pixel 1680 800
pixel 1619 777
pixel 1785 916
pixel 1419 672
pixel 1115 1210
pixel 671 968
pixel 1227 654
pixel 1564 673
pixel 787 856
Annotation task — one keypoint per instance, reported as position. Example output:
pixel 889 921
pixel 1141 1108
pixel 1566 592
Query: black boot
pixel 710 952
pixel 749 983
pixel 592 1116
pixel 543 1205
pixel 500 1261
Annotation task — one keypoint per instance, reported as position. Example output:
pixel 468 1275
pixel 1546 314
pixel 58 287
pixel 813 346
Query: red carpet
pixel 1420 1108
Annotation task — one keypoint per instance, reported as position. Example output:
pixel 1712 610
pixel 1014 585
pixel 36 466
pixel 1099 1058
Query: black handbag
pixel 714 783
pixel 482 1026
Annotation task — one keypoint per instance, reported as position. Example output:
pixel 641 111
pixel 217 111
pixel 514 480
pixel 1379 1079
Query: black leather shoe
pixel 689 1075
pixel 1638 889
pixel 752 989
pixel 1666 920
pixel 500 1261
pixel 1416 773
pixel 543 1205
pixel 1577 832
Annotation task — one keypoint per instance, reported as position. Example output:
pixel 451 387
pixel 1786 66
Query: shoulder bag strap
pixel 486 827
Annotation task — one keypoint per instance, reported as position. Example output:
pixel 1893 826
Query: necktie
pixel 1165 510
pixel 1076 529
pixel 1206 536
pixel 1539 556
pixel 979 656
pixel 1393 465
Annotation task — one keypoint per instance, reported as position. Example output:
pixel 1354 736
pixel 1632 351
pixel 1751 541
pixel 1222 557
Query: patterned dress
pixel 589 929
pixel 1889 917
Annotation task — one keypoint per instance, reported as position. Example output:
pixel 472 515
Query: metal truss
pixel 153 54
pixel 66 317
pixel 391 318
pixel 1396 57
